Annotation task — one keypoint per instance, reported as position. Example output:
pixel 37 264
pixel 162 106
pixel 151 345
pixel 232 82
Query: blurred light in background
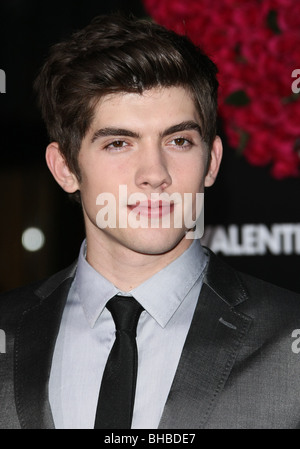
pixel 33 239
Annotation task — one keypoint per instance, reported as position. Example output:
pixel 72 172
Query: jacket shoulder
pixel 271 300
pixel 250 293
pixel 14 302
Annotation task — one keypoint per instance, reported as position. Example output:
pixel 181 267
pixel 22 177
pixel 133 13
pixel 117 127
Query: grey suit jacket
pixel 237 369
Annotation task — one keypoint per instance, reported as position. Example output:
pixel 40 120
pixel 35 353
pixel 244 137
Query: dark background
pixel 243 194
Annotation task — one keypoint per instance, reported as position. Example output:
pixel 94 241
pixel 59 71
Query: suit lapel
pixel 215 336
pixel 35 341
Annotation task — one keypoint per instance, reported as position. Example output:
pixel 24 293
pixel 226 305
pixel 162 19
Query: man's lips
pixel 152 208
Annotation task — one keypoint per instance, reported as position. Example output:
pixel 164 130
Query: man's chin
pixel 158 243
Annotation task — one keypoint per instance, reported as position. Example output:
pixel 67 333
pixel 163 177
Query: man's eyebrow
pixel 183 126
pixel 112 131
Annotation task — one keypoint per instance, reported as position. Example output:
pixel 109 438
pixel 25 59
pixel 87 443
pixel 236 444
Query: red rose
pixel 259 151
pixel 286 167
pixel 292 122
pixel 286 47
pixel 288 17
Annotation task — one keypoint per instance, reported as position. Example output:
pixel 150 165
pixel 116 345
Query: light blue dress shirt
pixel 87 334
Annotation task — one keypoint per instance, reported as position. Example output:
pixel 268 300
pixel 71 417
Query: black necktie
pixel 117 391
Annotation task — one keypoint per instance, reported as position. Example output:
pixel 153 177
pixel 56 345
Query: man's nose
pixel 153 170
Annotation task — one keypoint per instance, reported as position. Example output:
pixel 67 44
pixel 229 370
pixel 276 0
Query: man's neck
pixel 125 268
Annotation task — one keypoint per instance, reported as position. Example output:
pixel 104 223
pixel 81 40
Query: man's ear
pixel 215 161
pixel 59 169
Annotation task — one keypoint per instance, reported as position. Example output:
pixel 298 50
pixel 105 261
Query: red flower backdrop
pixel 256 46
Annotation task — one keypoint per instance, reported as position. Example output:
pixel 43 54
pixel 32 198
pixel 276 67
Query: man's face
pixel 149 144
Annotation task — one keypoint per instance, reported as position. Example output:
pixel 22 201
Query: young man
pixel 131 112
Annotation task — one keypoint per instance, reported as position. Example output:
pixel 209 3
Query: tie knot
pixel 125 311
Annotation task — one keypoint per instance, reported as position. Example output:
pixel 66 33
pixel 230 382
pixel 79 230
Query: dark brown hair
pixel 118 54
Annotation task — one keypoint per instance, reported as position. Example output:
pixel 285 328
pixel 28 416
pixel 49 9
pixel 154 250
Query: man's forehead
pixel 155 94
pixel 122 106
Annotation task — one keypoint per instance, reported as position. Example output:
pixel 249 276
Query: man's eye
pixel 181 142
pixel 116 144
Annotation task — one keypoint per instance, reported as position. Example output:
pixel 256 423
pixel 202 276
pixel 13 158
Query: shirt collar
pixel 93 289
pixel 160 295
